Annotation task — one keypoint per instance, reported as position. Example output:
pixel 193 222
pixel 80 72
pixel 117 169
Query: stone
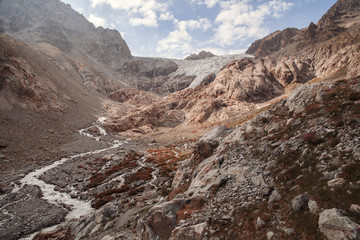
pixel 354 208
pixel 160 220
pixel 335 183
pixel 2 157
pixel 335 225
pixel 289 231
pixel 274 197
pixel 259 223
pixel 106 212
pixel 108 238
pixel 300 201
pixel 194 232
pixel 270 235
pixel 313 206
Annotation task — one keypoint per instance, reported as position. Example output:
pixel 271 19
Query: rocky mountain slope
pixel 38 98
pixel 244 83
pixel 290 173
pixel 101 56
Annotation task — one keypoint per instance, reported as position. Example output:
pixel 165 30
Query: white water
pixel 78 208
pixel 102 131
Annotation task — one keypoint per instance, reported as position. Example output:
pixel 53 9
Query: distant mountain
pixel 201 55
pixel 338 19
pixel 340 11
pixel 45 24
pixel 55 23
pixel 283 60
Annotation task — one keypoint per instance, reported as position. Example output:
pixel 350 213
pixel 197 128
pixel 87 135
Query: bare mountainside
pixel 327 52
pixel 94 50
pixel 38 98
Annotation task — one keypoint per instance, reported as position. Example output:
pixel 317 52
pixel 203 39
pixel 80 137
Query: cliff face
pixel 36 21
pixel 341 10
pixel 274 42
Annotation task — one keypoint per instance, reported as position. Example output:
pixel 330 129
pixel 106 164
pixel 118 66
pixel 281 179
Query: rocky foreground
pixel 291 172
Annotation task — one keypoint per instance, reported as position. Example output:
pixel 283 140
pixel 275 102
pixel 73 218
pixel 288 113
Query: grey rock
pixel 259 223
pixel 195 232
pixel 270 235
pixel 160 221
pixel 108 238
pixel 274 197
pixel 289 231
pixel 313 206
pixel 337 182
pixel 300 201
pixel 336 226
pixel 214 135
pixel 355 208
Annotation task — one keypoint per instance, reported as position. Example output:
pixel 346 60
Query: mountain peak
pixel 201 55
pixel 341 10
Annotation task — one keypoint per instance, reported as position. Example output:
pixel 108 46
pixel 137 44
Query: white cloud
pixel 97 21
pixel 239 19
pixel 202 23
pixel 208 3
pixel 141 12
pixel 178 41
pixel 167 16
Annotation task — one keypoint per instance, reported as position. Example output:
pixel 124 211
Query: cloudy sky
pixel 177 28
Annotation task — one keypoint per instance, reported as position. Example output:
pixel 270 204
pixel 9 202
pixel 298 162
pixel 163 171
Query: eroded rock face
pixel 195 232
pixel 335 225
pixel 274 42
pixel 160 221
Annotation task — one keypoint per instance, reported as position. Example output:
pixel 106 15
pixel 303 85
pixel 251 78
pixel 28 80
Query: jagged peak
pixel 339 10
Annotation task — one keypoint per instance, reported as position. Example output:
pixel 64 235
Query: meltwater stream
pixel 78 208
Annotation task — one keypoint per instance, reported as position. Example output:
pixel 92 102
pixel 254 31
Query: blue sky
pixel 177 28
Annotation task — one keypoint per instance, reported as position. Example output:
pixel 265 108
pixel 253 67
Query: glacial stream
pixel 78 208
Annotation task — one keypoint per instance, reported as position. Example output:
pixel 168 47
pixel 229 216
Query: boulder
pixel 336 226
pixel 274 197
pixel 106 212
pixel 355 208
pixel 160 221
pixel 195 232
pixel 335 183
pixel 313 206
pixel 300 201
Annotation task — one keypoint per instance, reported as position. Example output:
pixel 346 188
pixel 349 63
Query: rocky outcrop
pixel 273 43
pixel 263 176
pixel 134 97
pixel 160 221
pixel 201 55
pixel 291 41
pixel 335 225
pixel 341 9
pixel 65 29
